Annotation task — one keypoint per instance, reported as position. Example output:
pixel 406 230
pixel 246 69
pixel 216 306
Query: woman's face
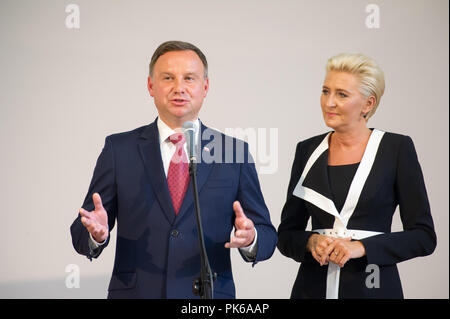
pixel 343 106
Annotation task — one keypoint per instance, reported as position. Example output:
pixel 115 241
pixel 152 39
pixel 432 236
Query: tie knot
pixel 177 138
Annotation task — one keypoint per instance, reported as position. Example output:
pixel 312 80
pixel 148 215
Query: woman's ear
pixel 369 105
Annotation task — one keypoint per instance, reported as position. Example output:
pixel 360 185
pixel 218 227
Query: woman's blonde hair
pixel 366 69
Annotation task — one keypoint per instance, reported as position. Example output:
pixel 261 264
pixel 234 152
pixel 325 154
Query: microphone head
pixel 188 125
pixel 189 129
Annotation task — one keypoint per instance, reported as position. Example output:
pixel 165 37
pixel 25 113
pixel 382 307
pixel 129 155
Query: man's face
pixel 178 87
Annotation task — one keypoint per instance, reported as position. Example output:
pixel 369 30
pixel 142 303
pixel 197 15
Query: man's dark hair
pixel 177 46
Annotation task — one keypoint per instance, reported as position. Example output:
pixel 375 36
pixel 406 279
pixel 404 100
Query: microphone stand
pixel 202 286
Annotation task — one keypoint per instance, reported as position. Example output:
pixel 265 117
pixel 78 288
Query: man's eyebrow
pixel 185 74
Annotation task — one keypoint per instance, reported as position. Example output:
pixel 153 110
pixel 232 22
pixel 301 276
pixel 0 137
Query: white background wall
pixel 62 91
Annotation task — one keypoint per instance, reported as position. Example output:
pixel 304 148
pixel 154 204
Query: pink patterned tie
pixel 178 175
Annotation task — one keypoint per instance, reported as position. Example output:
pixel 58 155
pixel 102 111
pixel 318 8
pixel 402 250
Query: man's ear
pixel 206 87
pixel 150 85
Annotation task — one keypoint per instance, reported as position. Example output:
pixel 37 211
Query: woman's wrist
pixel 310 244
pixel 361 249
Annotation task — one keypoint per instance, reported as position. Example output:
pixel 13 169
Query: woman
pixel 350 181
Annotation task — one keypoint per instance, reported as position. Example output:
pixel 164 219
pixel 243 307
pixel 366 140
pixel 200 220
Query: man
pixel 141 180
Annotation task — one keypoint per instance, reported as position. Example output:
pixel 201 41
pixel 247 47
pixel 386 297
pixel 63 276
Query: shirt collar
pixel 165 131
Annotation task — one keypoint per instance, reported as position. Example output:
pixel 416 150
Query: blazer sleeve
pixel 252 202
pixel 418 237
pixel 103 182
pixel 292 234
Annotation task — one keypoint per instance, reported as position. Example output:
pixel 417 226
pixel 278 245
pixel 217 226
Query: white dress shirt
pixel 167 151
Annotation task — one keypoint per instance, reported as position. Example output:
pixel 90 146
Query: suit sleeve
pixel 103 182
pixel 418 237
pixel 252 202
pixel 292 234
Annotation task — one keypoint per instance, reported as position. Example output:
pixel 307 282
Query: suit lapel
pixel 203 171
pixel 314 186
pixel 317 178
pixel 317 162
pixel 151 155
pixel 361 175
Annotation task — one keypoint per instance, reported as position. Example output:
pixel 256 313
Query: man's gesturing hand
pixel 96 221
pixel 245 230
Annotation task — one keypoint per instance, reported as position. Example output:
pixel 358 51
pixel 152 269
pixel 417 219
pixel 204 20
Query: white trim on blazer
pixel 341 220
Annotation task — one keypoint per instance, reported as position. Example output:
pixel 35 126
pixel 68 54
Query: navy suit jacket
pixel 157 252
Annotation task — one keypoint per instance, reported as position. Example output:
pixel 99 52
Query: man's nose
pixel 179 86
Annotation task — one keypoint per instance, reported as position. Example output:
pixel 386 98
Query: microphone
pixel 204 285
pixel 189 133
